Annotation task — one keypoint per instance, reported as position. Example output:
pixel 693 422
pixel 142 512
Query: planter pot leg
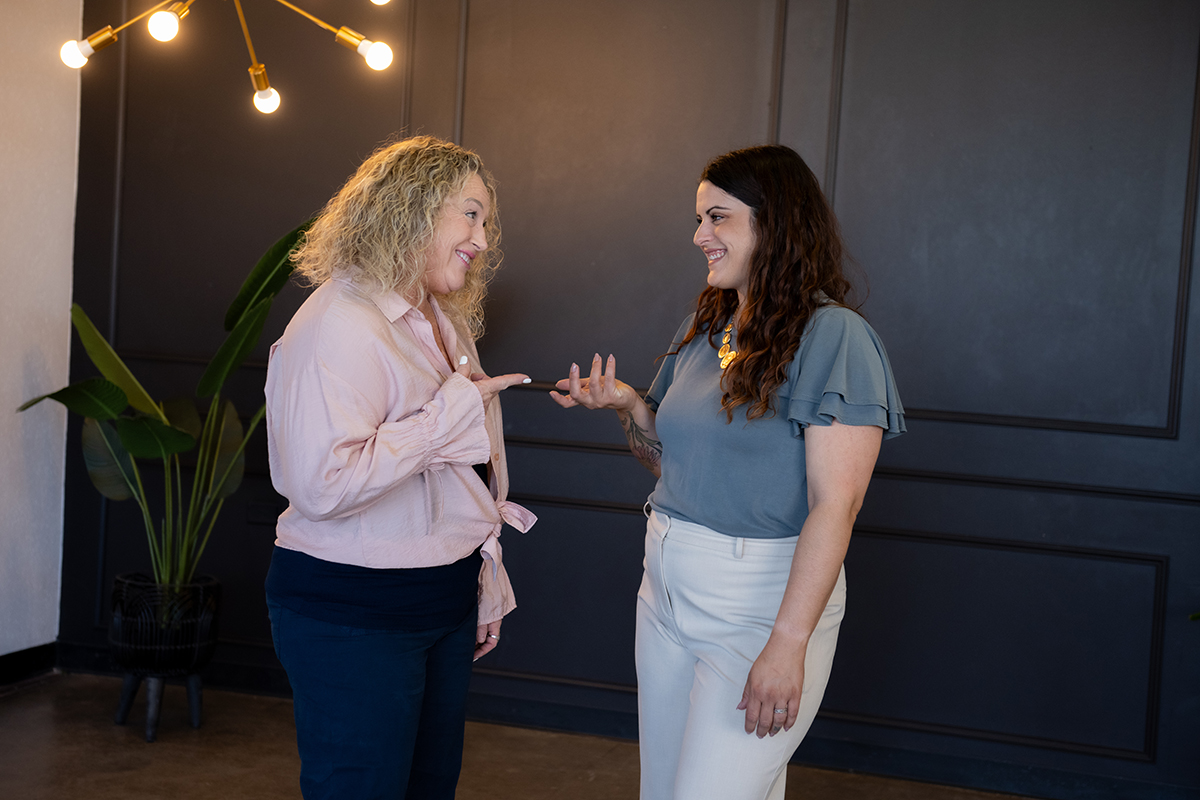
pixel 129 689
pixel 193 690
pixel 154 693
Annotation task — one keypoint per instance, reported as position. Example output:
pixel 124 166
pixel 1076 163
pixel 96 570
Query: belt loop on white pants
pixel 646 509
pixel 739 546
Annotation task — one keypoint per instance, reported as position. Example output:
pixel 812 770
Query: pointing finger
pixel 512 379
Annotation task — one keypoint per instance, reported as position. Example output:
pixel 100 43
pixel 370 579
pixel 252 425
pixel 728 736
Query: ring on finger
pixel 493 636
pixel 781 710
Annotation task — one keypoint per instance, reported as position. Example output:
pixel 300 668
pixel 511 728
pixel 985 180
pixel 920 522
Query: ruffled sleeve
pixel 666 373
pixel 841 372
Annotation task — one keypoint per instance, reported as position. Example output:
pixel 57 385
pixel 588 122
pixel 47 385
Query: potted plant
pixel 164 624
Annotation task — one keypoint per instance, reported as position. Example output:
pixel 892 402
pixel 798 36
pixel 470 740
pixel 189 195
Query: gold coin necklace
pixel 727 356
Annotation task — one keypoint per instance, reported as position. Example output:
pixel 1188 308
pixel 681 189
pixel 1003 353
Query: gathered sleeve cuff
pixel 841 372
pixel 495 594
pixel 495 591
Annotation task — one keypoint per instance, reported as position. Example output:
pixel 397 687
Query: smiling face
pixel 726 234
pixel 459 237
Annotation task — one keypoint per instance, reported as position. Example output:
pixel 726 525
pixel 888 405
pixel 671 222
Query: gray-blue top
pixel 747 478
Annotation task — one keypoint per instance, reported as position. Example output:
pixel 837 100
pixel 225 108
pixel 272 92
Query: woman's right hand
pixel 603 390
pixel 598 390
pixel 489 387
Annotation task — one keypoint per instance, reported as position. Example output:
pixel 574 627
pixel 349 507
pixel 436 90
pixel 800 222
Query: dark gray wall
pixel 1017 182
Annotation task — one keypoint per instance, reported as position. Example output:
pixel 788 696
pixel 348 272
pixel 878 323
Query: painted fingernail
pixel 527 380
pixel 462 361
pixel 574 368
pixel 596 357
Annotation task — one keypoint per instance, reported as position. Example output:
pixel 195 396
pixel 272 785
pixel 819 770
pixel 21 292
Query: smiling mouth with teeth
pixel 713 255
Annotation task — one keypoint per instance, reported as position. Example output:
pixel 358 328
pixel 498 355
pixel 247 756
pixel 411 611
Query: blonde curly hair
pixel 376 229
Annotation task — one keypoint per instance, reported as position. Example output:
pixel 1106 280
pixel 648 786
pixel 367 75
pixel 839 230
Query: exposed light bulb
pixel 76 54
pixel 72 53
pixel 163 25
pixel 266 100
pixel 380 2
pixel 377 54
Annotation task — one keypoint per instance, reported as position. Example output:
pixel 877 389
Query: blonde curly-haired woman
pixel 385 436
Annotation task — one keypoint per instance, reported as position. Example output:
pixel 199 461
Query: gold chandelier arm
pixel 246 32
pixel 304 13
pixel 143 15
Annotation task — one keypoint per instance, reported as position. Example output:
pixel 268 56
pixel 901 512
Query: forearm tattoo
pixel 646 449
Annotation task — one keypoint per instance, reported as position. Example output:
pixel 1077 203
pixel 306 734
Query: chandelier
pixel 164 25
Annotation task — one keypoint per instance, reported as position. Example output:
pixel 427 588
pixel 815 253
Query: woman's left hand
pixel 838 461
pixel 775 682
pixel 486 638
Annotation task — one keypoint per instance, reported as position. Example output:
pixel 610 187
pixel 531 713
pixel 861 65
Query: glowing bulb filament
pixel 266 100
pixel 163 25
pixel 377 54
pixel 72 53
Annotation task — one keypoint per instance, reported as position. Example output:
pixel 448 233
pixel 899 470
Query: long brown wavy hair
pixel 797 257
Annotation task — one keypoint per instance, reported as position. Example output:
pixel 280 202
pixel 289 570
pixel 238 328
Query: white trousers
pixel 705 609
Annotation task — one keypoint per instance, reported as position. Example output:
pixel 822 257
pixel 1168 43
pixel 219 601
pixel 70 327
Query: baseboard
pixel 25 664
pixel 75 657
pixel 238 667
pixel 993 776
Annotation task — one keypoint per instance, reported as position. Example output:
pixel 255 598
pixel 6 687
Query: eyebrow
pixel 716 208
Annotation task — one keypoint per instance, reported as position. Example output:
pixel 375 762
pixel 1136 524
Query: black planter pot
pixel 160 632
pixel 165 631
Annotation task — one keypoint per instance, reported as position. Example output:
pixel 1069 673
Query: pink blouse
pixel 371 437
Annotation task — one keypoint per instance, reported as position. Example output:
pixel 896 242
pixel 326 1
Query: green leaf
pixel 94 397
pixel 182 414
pixel 234 349
pixel 230 451
pixel 146 437
pixel 267 278
pixel 107 461
pixel 110 364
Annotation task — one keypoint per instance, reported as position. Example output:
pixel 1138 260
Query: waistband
pixel 674 529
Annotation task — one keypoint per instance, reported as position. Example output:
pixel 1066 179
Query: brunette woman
pixel 763 426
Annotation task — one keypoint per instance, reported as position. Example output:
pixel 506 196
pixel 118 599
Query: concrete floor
pixel 57 740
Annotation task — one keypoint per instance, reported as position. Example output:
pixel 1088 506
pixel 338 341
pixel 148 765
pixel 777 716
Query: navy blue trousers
pixel 379 713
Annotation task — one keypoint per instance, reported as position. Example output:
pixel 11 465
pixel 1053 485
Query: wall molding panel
pixel 847 15
pixel 1157 563
pixel 904 474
